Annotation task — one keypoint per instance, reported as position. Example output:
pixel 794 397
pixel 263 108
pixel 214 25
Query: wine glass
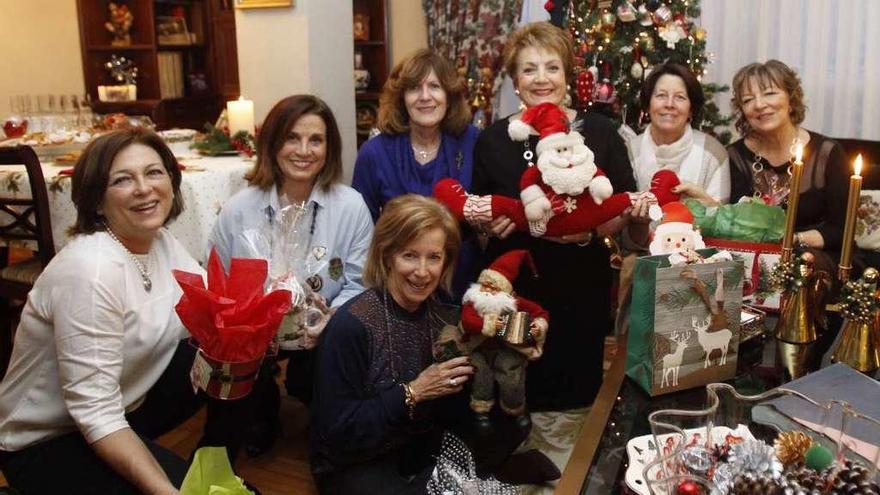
pixel 15 124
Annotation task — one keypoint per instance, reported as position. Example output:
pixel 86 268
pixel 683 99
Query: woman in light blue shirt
pixel 299 161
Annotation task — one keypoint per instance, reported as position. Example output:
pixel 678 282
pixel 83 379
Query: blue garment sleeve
pixel 365 180
pixel 347 421
pixel 356 257
pixel 222 236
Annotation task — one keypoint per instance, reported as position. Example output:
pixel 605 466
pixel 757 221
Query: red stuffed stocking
pixel 477 210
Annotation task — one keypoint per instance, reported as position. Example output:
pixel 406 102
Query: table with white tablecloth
pixel 207 183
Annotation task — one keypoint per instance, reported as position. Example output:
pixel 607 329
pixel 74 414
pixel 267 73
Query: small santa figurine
pixel 564 193
pixel 676 235
pixel 487 306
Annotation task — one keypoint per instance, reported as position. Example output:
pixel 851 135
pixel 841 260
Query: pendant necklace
pixel 424 154
pixel 142 269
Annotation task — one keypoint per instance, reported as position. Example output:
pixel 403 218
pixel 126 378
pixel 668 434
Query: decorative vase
pixel 361 75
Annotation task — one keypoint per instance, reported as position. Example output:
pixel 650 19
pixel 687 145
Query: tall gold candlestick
pixel 797 169
pixel 849 229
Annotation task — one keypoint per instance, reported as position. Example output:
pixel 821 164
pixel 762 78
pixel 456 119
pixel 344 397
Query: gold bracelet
pixel 409 400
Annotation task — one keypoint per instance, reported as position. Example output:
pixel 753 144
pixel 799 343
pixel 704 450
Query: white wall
pixel 304 49
pixel 407 28
pixel 40 54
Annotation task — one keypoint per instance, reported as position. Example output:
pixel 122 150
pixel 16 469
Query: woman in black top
pixel 574 275
pixel 769 107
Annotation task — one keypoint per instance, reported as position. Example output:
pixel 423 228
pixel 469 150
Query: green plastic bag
pixel 211 474
pixel 749 220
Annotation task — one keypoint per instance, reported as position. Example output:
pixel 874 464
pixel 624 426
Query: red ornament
pixel 689 487
pixel 549 6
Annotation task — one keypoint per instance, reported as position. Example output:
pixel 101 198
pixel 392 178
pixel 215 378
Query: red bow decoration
pixel 232 319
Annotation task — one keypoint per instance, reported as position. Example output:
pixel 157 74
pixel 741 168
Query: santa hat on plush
pixel 505 269
pixel 548 121
pixel 677 219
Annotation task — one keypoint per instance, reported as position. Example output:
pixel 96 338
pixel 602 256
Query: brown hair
pixel 691 84
pixel 283 116
pixel 770 73
pixel 92 171
pixel 539 35
pixel 408 74
pixel 402 221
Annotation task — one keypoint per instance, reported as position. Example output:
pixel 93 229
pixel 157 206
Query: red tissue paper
pixel 232 319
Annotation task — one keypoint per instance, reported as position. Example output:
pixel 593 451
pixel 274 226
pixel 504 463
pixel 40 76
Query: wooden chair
pixel 21 219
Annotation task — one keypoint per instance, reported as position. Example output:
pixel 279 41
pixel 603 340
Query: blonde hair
pixel 770 73
pixel 408 74
pixel 538 35
pixel 402 221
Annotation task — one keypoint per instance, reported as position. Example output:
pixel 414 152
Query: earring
pixel 516 91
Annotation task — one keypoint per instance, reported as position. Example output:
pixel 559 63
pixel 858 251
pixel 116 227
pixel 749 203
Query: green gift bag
pixel 683 332
pixel 211 474
pixel 750 220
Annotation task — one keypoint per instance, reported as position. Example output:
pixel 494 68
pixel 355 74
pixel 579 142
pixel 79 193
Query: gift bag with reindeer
pixel 684 323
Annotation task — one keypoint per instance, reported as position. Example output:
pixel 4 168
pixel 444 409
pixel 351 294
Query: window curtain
pixel 832 44
pixel 472 34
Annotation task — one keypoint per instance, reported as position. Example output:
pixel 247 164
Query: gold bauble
pixel 791 446
pixel 870 276
pixel 607 20
pixel 699 34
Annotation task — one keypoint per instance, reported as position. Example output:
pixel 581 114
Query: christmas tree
pixel 618 42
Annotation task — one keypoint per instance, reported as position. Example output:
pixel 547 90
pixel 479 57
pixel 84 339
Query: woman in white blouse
pixel 673 99
pixel 99 367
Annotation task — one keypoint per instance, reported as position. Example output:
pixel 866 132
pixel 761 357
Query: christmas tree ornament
pixel 653 5
pixel 662 15
pixel 791 446
pixel 549 6
pixel 645 17
pixel 636 71
pixel 626 12
pixel 605 92
pixel 700 34
pixel 689 487
pixel 648 47
pixel 607 22
pixel 672 33
pixel 818 457
pixel 754 456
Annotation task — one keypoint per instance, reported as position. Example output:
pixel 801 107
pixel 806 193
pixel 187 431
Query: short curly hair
pixel 770 73
pixel 408 74
pixel 691 84
pixel 539 35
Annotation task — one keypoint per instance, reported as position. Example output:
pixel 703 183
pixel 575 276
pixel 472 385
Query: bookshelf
pixel 374 53
pixel 184 74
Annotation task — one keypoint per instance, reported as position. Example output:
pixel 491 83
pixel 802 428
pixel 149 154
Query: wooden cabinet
pixel 371 45
pixel 184 77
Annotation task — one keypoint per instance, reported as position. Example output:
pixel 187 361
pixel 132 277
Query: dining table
pixel 207 182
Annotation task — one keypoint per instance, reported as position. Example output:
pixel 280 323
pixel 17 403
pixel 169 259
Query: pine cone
pixel 805 478
pixel 851 479
pixel 752 484
pixel 791 445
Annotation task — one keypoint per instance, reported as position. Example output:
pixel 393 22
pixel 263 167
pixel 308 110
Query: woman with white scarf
pixel 673 98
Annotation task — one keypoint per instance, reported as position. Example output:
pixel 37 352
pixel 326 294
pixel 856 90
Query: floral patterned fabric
pixel 472 33
pixel 868 224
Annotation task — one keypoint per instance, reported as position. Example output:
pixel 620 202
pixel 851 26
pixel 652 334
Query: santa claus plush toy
pixel 486 306
pixel 565 193
pixel 676 233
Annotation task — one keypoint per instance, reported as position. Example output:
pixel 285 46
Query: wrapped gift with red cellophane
pixel 752 232
pixel 233 322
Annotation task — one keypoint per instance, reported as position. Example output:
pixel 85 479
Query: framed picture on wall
pixel 262 4
pixel 361 27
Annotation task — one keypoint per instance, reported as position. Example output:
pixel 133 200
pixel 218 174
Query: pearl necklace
pixel 424 155
pixel 143 270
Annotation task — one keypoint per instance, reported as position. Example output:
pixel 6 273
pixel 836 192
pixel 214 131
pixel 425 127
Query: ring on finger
pixel 453 382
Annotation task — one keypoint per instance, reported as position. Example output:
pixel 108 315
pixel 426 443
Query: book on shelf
pixel 170 74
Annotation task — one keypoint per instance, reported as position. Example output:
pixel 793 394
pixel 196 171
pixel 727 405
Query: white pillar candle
pixel 241 116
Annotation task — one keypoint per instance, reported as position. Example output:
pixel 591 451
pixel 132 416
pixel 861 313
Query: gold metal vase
pixel 859 344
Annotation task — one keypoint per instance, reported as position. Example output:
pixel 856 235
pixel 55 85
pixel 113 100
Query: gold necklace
pixel 142 269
